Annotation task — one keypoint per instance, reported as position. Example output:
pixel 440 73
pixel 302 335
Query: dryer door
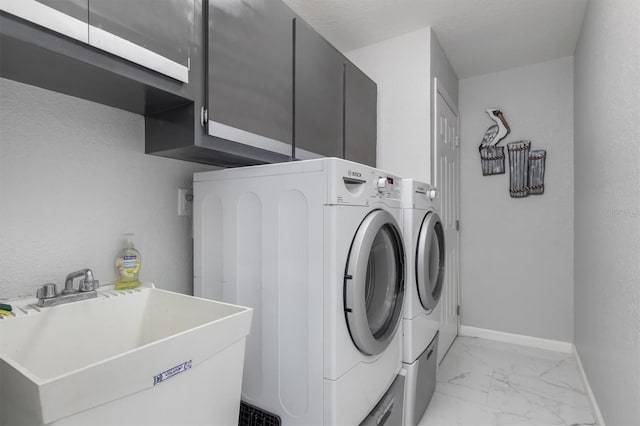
pixel 430 261
pixel 374 283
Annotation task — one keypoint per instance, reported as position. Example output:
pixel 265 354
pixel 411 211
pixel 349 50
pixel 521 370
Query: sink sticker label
pixel 171 372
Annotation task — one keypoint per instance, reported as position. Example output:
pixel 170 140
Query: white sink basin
pixel 143 357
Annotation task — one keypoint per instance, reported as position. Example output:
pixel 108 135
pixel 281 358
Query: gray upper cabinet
pixel 250 73
pixel 318 95
pixel 361 94
pixel 154 34
pixel 262 86
pixel 68 17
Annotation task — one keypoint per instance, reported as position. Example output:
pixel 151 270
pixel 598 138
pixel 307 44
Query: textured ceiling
pixel 479 36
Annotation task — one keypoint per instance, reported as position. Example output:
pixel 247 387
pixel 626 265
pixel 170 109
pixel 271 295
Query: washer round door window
pixel 374 283
pixel 430 261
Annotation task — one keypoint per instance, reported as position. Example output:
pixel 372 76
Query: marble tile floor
pixel 483 382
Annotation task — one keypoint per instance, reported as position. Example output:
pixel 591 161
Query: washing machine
pixel 315 248
pixel 424 247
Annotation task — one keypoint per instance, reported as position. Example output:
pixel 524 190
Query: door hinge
pixel 457 225
pixel 458 310
pixel 204 116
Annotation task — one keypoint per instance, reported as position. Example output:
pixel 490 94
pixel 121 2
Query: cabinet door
pixel 250 73
pixel 152 33
pixel 77 9
pixel 68 17
pixel 361 95
pixel 318 95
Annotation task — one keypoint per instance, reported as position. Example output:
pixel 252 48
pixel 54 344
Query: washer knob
pixel 432 194
pixel 382 184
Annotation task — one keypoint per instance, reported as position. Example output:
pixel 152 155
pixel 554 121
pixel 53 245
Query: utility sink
pixel 135 357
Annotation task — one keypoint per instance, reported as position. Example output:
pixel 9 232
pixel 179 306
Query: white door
pixel 447 179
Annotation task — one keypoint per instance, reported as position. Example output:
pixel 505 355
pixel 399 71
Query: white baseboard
pixel 517 339
pixel 592 399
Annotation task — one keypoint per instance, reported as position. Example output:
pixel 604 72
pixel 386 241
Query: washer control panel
pixel 388 187
pixel 357 184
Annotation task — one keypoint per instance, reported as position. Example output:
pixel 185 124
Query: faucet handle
pixel 88 285
pixel 47 291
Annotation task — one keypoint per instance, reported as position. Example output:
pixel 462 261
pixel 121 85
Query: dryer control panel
pixel 419 195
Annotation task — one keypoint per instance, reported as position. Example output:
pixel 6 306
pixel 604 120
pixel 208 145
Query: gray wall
pixel 517 254
pixel 442 70
pixel 73 179
pixel 607 206
pixel 401 68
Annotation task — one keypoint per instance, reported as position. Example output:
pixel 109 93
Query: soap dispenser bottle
pixel 128 265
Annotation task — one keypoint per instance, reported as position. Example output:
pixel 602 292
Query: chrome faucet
pixel 88 283
pixel 48 295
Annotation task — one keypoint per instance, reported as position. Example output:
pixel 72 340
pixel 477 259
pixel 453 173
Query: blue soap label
pixel 171 372
pixel 130 262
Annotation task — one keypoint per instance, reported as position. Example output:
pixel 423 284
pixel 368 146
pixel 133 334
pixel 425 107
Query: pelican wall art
pixel 526 167
pixel 491 155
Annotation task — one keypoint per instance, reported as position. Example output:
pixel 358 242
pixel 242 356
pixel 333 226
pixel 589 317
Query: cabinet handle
pixel 204 116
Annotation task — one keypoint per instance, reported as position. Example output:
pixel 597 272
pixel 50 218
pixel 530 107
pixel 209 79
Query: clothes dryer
pixel 315 248
pixel 424 247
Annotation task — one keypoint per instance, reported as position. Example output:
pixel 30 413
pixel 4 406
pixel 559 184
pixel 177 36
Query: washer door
pixel 430 261
pixel 374 283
